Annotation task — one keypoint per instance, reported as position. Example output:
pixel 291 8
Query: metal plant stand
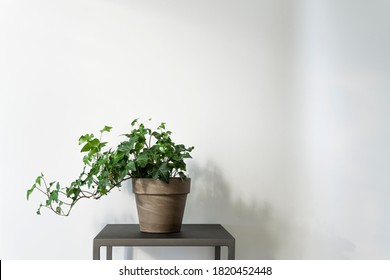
pixel 190 235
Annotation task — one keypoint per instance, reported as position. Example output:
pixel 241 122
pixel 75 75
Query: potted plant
pixel 149 157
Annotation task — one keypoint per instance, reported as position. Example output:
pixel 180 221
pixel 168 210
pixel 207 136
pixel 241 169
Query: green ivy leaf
pixel 122 174
pixel 85 138
pixel 131 166
pixel 86 147
pixel 93 150
pixel 94 142
pixel 53 197
pixel 106 128
pixel 102 145
pixel 142 160
pixel 156 135
pixel 163 171
pixel 126 146
pixel 134 122
pixel 102 189
pixel 29 192
pixel 38 180
pixel 180 148
pixel 186 155
pixel 87 159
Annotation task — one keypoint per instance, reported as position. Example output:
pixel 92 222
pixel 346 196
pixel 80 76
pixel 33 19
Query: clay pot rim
pixel 149 186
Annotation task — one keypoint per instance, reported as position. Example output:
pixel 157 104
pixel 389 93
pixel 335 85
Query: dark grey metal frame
pixel 190 235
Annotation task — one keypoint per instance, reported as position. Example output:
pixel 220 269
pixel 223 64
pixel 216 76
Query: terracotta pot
pixel 160 205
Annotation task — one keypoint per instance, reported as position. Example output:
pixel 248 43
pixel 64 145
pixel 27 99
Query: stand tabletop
pixel 190 235
pixel 188 232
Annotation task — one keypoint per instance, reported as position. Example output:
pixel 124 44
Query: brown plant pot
pixel 160 205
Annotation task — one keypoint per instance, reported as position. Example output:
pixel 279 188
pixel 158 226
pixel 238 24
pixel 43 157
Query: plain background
pixel 286 102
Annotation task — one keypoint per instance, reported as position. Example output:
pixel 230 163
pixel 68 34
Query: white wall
pixel 286 103
pixel 345 69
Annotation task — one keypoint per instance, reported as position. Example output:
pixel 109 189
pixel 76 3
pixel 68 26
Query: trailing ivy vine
pixel 145 153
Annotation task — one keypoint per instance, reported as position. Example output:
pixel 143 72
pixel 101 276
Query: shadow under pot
pixel 160 205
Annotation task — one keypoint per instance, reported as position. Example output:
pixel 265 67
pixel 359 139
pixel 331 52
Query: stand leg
pixel 217 252
pixel 109 253
pixel 231 252
pixel 96 252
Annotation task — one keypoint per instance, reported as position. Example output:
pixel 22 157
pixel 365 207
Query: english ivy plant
pixel 145 153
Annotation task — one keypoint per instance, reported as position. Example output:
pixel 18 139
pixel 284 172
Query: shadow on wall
pixel 260 224
pixel 258 233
